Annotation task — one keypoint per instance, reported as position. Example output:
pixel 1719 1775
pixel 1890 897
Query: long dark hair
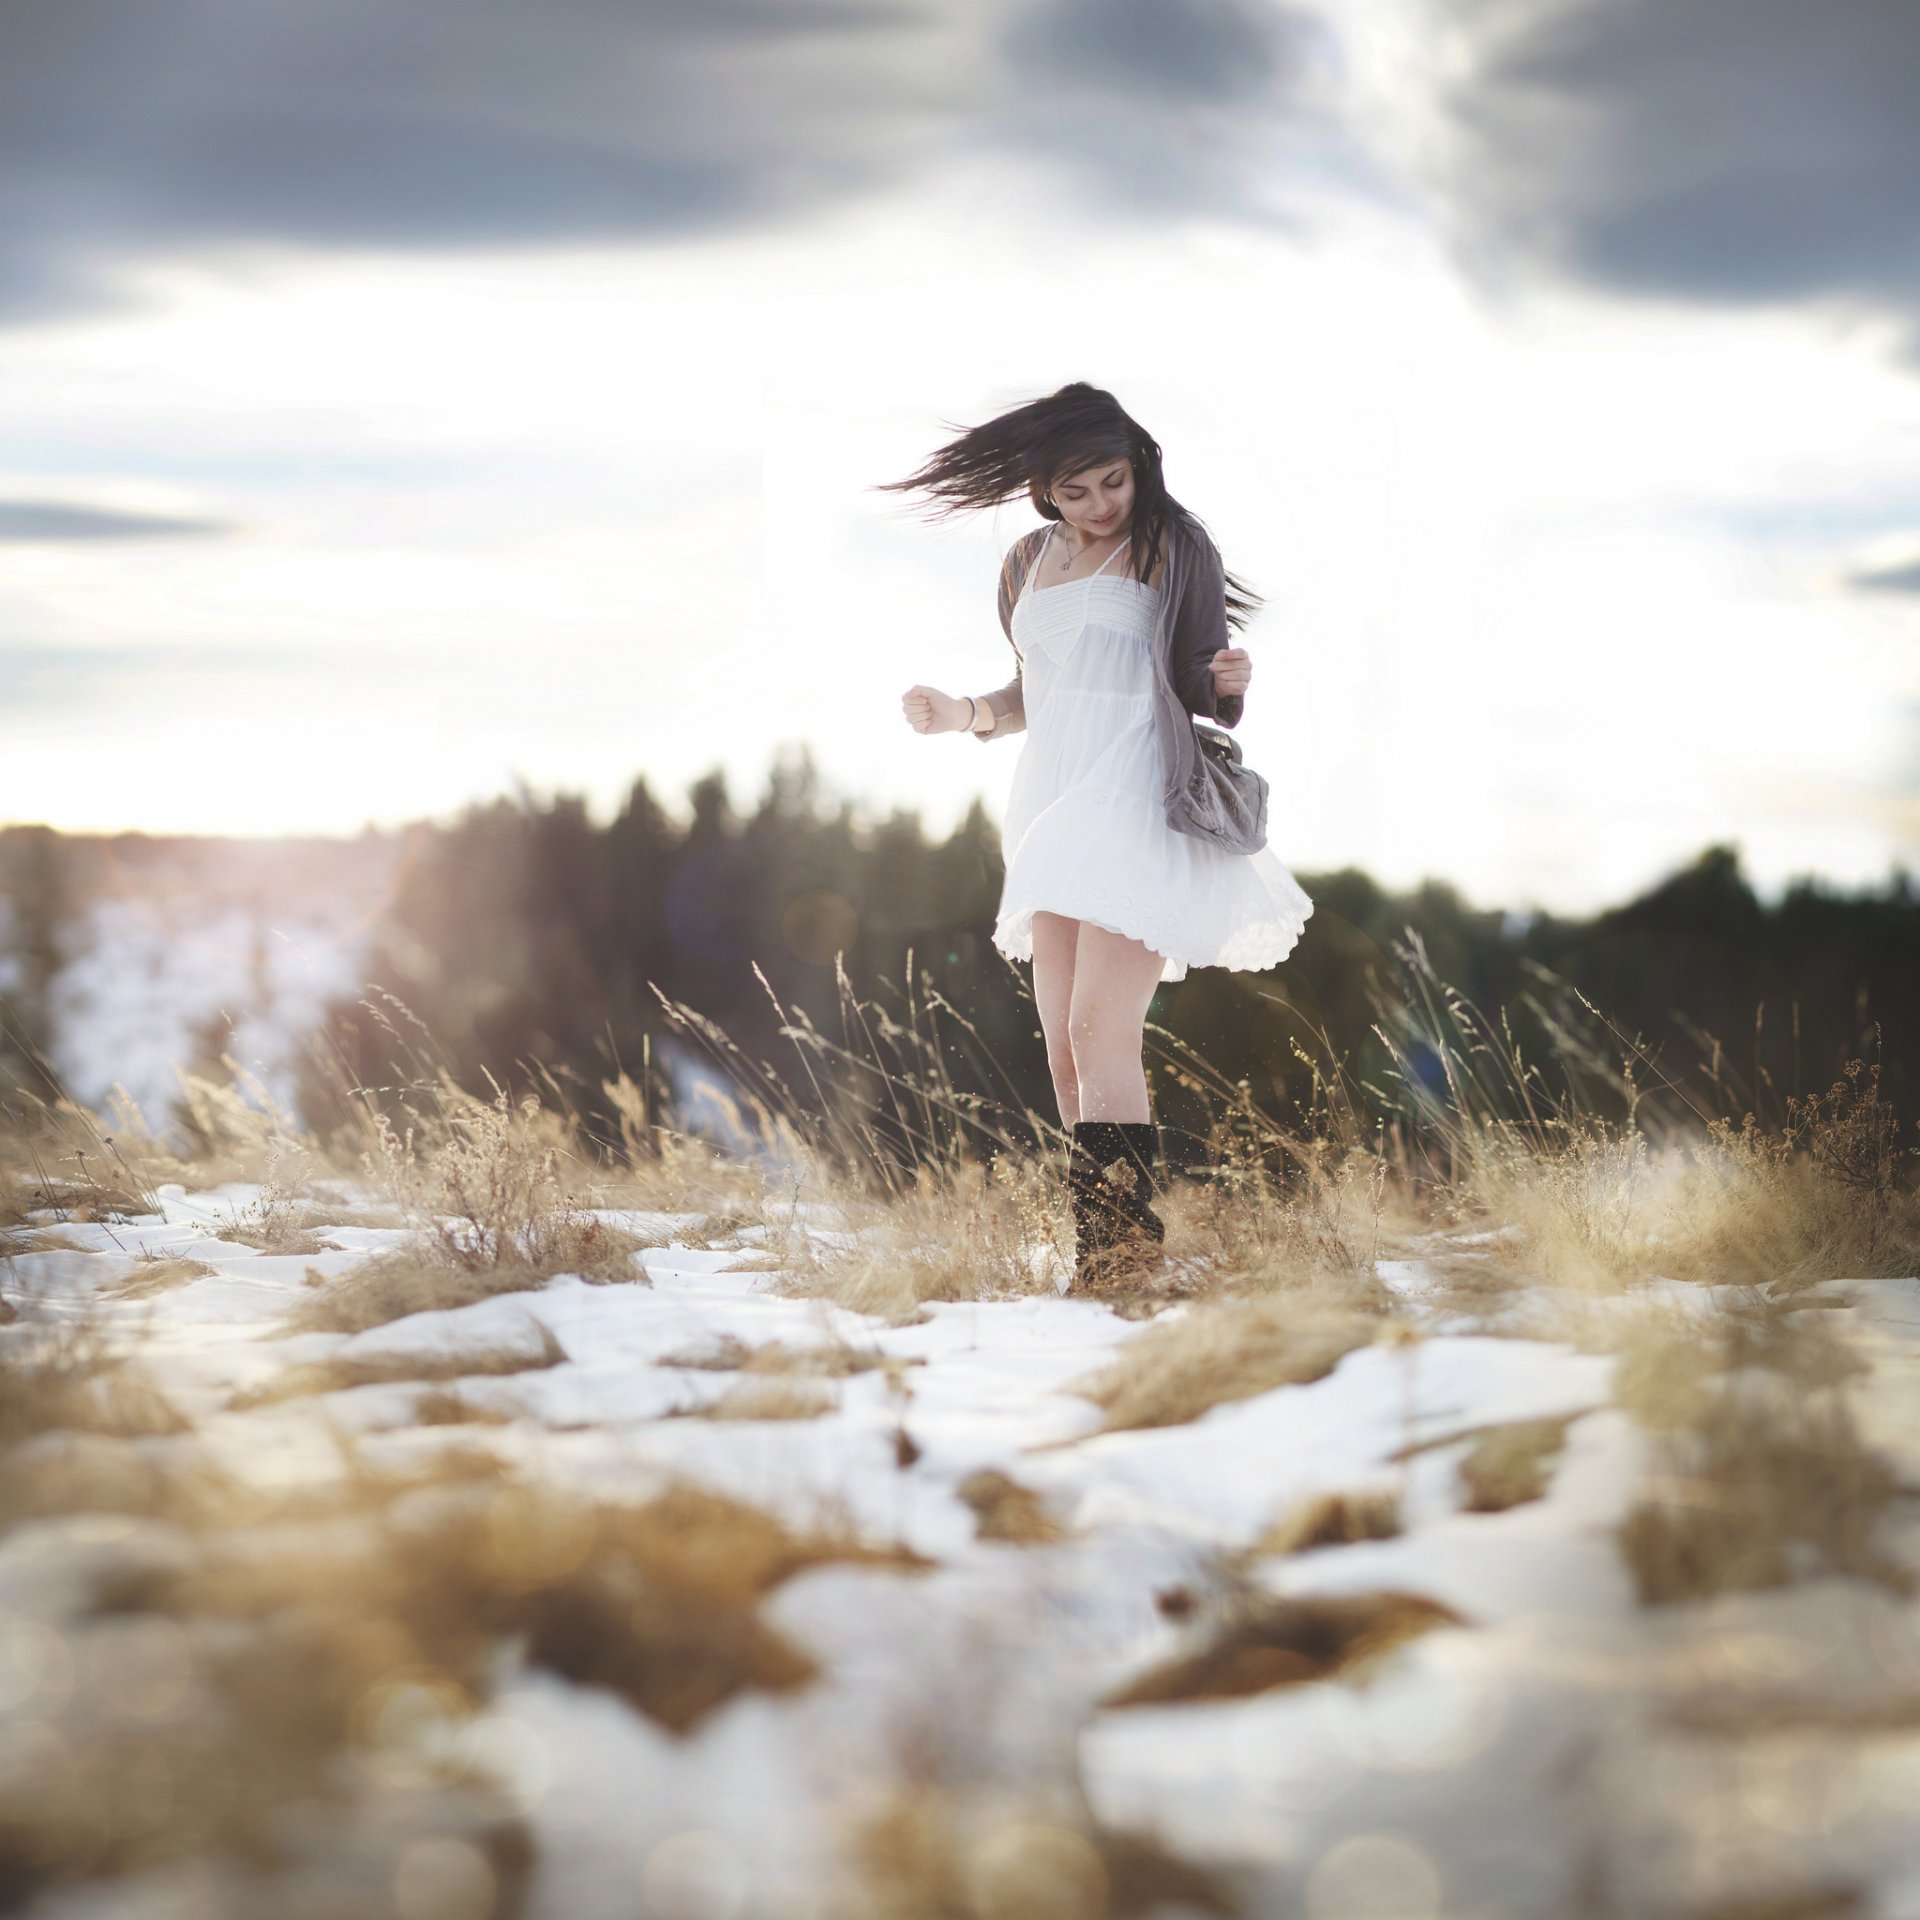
pixel 1028 448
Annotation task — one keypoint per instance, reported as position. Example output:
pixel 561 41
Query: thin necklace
pixel 1071 555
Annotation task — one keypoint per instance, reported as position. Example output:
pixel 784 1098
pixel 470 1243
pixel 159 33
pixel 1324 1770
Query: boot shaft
pixel 1112 1182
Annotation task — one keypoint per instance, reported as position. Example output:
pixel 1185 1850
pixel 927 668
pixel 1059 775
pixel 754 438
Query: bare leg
pixel 1113 982
pixel 1054 937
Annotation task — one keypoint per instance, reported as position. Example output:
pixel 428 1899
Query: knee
pixel 1060 1061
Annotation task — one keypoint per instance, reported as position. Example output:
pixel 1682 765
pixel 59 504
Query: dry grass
pixel 272 1831
pixel 65 1472
pixel 177 1738
pixel 487 1185
pixel 419 1277
pixel 830 1360
pixel 1766 1485
pixel 426 1574
pixel 1328 1214
pixel 1182 1367
pixel 1600 1209
pixel 448 1407
pixel 1759 1474
pixel 42 1240
pixel 1748 1714
pixel 1797 1903
pixel 219 1690
pixel 1004 1510
pixel 540 1350
pixel 1332 1520
pixel 962 1233
pixel 662 1170
pixel 157 1273
pixel 1271 1641
pixel 97 1184
pixel 928 1852
pixel 1608 1186
pixel 1512 1463
pixel 284 1228
pixel 66 1376
pixel 772 1397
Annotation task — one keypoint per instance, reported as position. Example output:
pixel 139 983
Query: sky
pixel 409 402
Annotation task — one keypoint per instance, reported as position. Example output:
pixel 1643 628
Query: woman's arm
pixel 1200 631
pixel 1008 704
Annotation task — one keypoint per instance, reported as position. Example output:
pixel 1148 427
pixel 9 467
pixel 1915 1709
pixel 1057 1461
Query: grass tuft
pixel 771 1397
pixel 1510 1464
pixel 344 1370
pixel 1005 1510
pixel 1272 1641
pixel 1182 1367
pixel 1333 1520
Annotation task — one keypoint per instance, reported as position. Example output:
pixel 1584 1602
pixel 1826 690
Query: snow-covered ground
pixel 1527 1762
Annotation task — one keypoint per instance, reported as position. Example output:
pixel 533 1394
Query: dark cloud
pixel 1199 53
pixel 131 130
pixel 1900 579
pixel 137 130
pixel 39 520
pixel 1173 107
pixel 1717 150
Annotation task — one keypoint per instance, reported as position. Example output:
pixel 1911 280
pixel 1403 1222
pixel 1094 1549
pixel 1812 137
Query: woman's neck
pixel 1087 540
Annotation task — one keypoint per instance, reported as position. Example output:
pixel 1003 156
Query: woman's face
pixel 1097 500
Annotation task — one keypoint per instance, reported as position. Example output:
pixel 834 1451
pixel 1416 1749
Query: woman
pixel 1118 610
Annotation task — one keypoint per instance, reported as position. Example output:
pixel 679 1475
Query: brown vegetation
pixel 157 1273
pixel 1332 1520
pixel 1510 1463
pixel 420 1277
pixel 1273 1641
pixel 928 1852
pixel 67 1375
pixel 1005 1510
pixel 540 1350
pixel 772 1397
pixel 1181 1367
pixel 829 1360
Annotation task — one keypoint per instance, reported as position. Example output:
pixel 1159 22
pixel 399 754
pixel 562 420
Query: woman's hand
pixel 928 710
pixel 1232 671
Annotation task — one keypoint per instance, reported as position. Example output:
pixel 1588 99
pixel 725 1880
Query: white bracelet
pixel 973 713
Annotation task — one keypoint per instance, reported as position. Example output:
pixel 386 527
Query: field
pixel 1512 1510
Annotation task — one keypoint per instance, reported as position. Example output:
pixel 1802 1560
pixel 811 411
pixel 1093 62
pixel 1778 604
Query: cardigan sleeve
pixel 1199 632
pixel 1008 704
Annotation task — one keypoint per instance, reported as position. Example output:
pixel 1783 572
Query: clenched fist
pixel 928 710
pixel 1232 671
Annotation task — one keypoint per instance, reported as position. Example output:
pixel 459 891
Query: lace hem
pixel 1250 949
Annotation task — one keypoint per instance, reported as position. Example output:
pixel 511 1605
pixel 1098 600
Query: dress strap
pixel 1039 555
pixel 1042 553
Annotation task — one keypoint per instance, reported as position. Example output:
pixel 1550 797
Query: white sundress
pixel 1084 834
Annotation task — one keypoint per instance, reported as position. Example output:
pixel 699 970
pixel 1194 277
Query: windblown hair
pixel 1028 448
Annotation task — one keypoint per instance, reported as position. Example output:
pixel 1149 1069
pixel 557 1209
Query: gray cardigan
pixel 1190 627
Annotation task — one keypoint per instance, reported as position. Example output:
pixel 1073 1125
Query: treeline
pixel 528 933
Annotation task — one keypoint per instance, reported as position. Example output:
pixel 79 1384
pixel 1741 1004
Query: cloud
pixel 1904 578
pixel 1726 151
pixel 142 131
pixel 28 521
pixel 131 130
pixel 1176 107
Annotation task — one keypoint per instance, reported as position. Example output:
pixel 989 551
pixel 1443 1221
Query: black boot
pixel 1111 1178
